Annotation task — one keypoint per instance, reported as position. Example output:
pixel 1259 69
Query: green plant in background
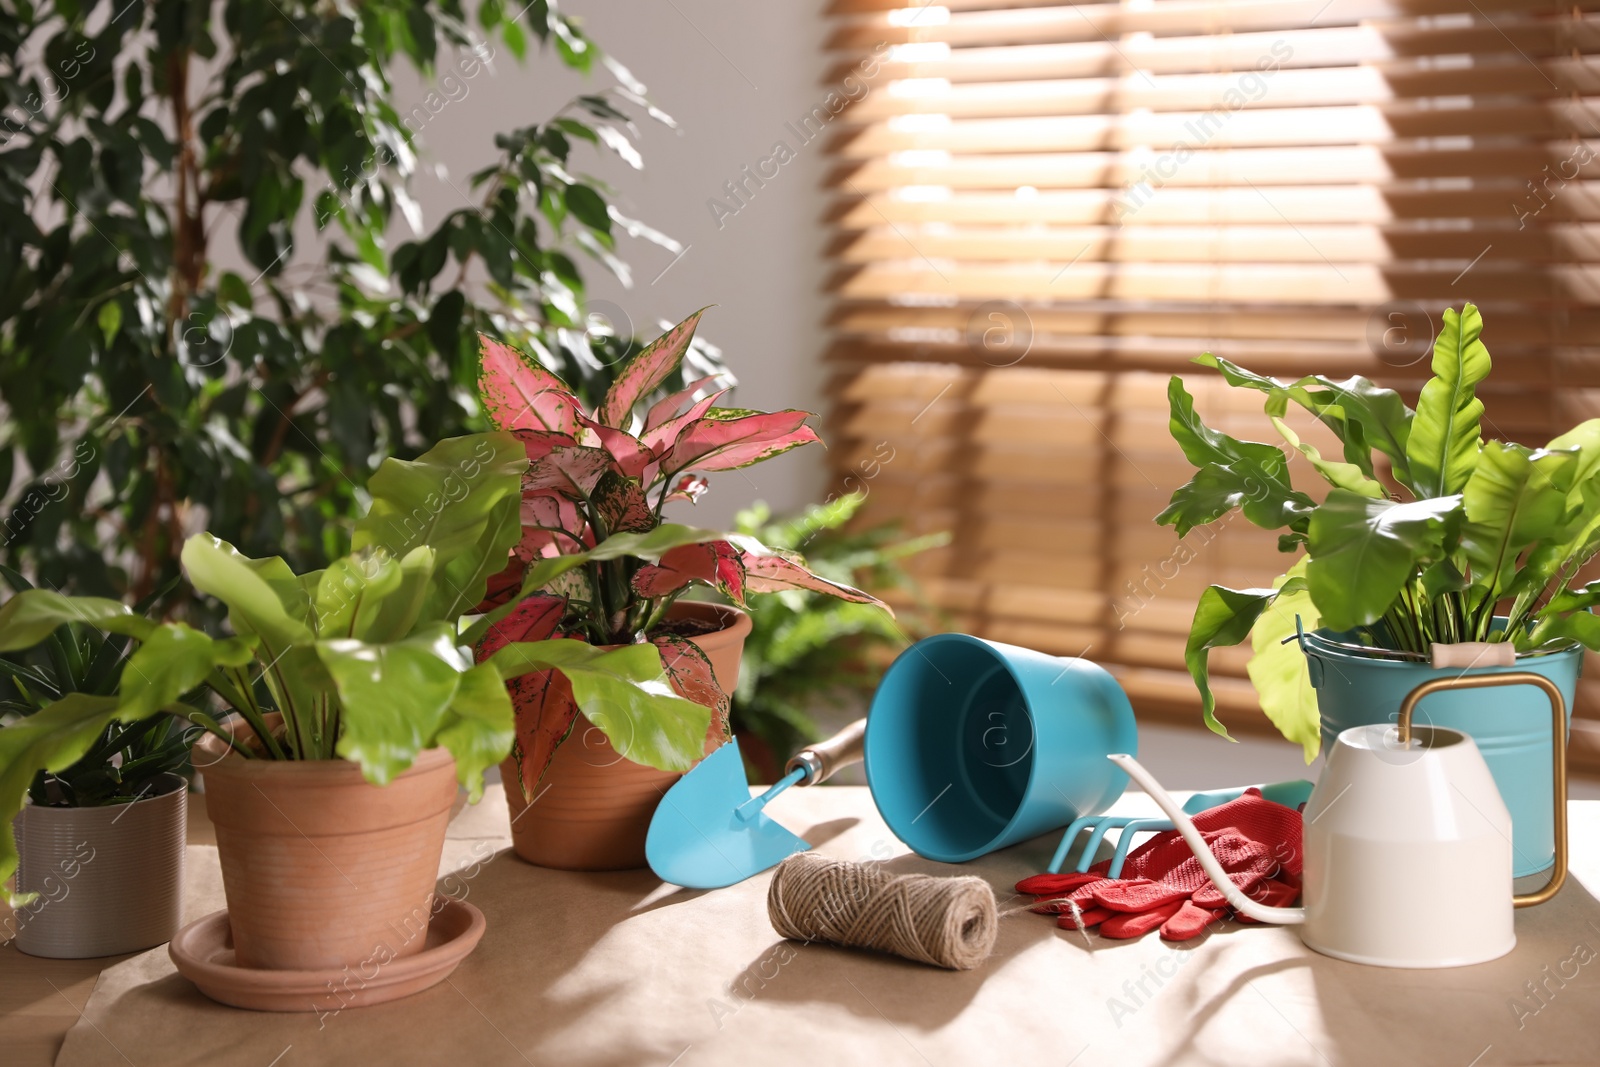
pixel 125 761
pixel 142 138
pixel 1428 552
pixel 806 650
pixel 367 660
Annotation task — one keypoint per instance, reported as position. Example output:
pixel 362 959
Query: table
pixel 616 968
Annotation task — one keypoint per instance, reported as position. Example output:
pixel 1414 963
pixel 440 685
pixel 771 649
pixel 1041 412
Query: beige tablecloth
pixel 581 969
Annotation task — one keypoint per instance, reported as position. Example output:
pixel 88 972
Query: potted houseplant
pixel 1447 540
pixel 597 563
pixel 100 843
pixel 358 705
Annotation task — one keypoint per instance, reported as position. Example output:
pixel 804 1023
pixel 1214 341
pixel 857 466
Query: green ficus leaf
pixel 109 321
pixel 1364 550
pixel 1443 446
pixel 589 208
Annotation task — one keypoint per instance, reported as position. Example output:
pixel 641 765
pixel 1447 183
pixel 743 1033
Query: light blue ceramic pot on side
pixel 1511 725
pixel 974 745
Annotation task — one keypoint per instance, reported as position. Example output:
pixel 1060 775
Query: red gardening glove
pixel 1256 841
pixel 1192 917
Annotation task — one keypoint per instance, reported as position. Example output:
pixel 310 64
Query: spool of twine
pixel 948 922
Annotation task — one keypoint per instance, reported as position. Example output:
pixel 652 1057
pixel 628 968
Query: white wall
pixel 731 72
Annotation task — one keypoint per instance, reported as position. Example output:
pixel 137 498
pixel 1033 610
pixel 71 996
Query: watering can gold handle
pixel 1558 746
pixel 821 760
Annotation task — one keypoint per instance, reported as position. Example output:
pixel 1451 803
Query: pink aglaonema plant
pixel 596 562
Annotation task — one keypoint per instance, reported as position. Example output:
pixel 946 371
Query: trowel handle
pixel 821 760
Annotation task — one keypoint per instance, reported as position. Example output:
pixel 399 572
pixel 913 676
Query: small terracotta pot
pixel 320 867
pixel 109 877
pixel 593 807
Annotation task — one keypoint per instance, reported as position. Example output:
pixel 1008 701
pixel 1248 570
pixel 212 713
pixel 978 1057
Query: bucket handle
pixel 1313 661
pixel 1558 763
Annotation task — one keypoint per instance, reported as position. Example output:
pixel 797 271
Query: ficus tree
pixel 157 382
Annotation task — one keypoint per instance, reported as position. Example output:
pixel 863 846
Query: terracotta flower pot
pixel 109 877
pixel 320 867
pixel 593 807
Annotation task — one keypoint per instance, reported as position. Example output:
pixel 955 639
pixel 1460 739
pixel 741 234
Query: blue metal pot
pixel 973 745
pixel 1511 725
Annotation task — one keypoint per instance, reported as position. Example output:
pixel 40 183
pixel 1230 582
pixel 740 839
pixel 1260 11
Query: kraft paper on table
pixel 615 968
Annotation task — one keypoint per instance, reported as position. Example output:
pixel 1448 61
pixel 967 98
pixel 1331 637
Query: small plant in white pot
pixel 100 840
pixel 357 705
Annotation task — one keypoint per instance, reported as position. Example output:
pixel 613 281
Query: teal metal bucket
pixel 1511 725
pixel 973 745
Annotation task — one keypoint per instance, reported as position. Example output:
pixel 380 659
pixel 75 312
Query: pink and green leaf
pixel 550 519
pixel 629 452
pixel 621 504
pixel 572 471
pixel 672 406
pixel 722 441
pixel 646 371
pixel 538 443
pixel 518 394
pixel 690 487
pixel 545 709
pixel 502 587
pixel 713 563
pixel 773 574
pixel 691 675
pixel 536 618
pixel 661 439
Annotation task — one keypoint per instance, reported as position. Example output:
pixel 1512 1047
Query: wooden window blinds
pixel 1042 210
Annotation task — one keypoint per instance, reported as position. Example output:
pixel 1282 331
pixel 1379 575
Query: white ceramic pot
pixel 109 878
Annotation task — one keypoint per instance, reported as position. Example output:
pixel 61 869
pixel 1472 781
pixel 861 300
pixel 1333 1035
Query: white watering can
pixel 1402 806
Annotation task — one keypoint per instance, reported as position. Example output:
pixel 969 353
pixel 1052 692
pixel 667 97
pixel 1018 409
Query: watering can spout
pixel 1191 836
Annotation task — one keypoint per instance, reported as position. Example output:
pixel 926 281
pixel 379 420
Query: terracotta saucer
pixel 203 953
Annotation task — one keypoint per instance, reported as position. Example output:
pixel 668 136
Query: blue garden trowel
pixel 709 832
